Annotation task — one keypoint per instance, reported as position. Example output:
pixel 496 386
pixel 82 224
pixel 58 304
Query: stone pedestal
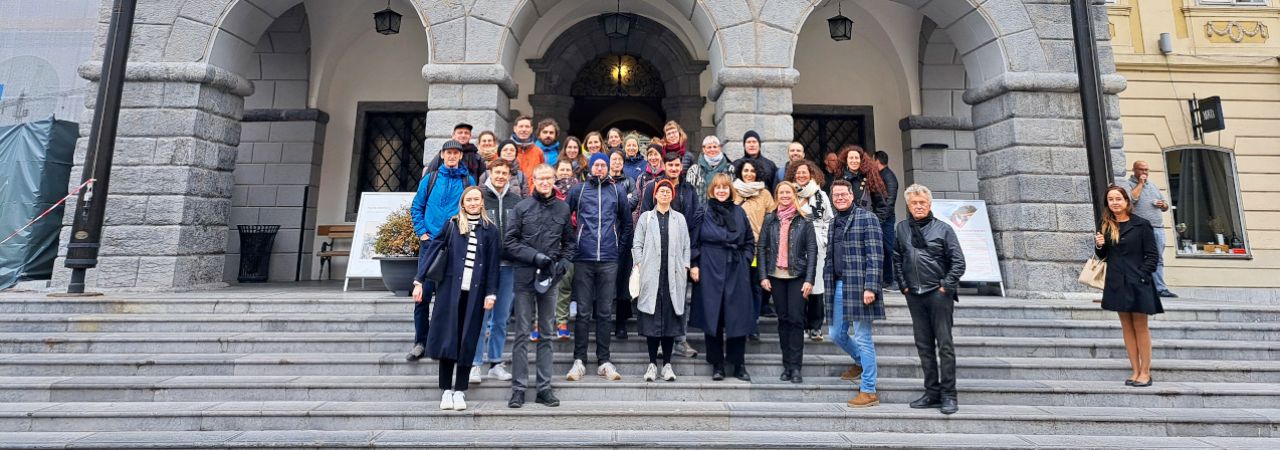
pixel 754 99
pixel 171 180
pixel 478 94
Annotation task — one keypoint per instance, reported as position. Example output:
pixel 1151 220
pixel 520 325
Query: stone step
pixel 635 415
pixel 604 438
pixel 968 307
pixel 383 364
pixel 160 323
pixel 886 345
pixel 761 389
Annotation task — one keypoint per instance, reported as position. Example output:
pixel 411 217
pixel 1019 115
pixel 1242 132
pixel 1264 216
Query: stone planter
pixel 398 272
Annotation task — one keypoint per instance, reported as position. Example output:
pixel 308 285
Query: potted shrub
pixel 397 247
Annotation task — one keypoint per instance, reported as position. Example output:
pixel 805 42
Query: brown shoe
pixel 864 400
pixel 853 373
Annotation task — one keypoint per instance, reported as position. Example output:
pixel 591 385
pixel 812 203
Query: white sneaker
pixel 651 373
pixel 608 372
pixel 475 376
pixel 577 371
pixel 446 401
pixel 500 372
pixel 668 374
pixel 459 400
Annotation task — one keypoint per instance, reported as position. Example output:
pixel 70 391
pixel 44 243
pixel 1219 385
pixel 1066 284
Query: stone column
pixel 478 94
pixel 939 153
pixel 686 110
pixel 754 99
pixel 555 106
pixel 171 181
pixel 1033 173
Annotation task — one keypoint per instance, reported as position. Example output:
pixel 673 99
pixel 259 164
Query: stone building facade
pixel 231 111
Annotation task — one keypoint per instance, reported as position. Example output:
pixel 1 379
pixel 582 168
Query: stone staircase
pixel 307 366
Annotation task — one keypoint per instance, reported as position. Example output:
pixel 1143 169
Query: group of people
pixel 532 223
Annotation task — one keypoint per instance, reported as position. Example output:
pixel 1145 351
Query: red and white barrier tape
pixel 51 208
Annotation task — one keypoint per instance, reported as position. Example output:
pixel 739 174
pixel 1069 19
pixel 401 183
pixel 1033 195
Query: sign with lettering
pixel 973 228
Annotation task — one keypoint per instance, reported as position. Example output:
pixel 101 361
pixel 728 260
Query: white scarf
pixel 748 190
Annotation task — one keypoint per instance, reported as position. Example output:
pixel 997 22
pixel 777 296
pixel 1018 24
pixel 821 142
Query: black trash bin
pixel 255 252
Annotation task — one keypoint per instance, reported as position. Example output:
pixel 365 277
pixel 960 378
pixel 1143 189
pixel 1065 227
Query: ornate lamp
pixel 617 24
pixel 387 21
pixel 841 26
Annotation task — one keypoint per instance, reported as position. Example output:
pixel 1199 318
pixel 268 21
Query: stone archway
pixel 649 41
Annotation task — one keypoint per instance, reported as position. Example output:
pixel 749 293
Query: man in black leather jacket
pixel 927 264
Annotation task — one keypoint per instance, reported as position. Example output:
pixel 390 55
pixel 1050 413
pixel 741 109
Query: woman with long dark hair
pixel 469 288
pixel 722 250
pixel 1128 243
pixel 863 172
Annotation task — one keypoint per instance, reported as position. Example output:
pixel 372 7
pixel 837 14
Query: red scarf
pixel 679 148
pixel 785 215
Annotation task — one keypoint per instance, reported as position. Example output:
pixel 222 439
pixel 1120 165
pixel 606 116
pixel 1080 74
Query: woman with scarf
pixel 753 196
pixel 712 162
pixel 721 256
pixel 661 252
pixel 654 170
pixel 622 290
pixel 863 172
pixel 593 143
pixel 518 182
pixel 470 287
pixel 815 206
pixel 573 153
pixel 674 138
pixel 487 146
pixel 787 255
pixel 633 161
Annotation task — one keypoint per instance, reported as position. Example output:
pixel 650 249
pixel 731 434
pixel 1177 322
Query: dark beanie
pixel 751 134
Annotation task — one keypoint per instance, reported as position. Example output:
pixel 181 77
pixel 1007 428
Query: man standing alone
pixel 1148 203
pixel 928 263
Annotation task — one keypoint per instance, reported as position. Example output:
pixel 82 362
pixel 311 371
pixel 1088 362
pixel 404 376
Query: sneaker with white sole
pixel 500 373
pixel 577 371
pixel 475 377
pixel 651 373
pixel 608 372
pixel 459 400
pixel 668 374
pixel 446 401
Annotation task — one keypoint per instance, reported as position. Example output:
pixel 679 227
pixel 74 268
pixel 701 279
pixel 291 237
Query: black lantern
pixel 387 21
pixel 841 26
pixel 617 24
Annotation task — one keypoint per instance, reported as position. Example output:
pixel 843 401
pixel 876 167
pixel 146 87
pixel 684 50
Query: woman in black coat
pixel 787 256
pixel 470 287
pixel 722 248
pixel 1127 243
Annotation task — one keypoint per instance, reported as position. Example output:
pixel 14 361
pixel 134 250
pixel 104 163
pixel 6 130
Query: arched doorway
pixel 588 81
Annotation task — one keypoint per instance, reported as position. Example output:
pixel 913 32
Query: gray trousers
pixel 527 300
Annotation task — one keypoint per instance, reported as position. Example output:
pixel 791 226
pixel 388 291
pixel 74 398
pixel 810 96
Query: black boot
pixel 546 397
pixel 926 402
pixel 717 373
pixel 949 405
pixel 740 372
pixel 517 399
pixel 795 375
pixel 786 375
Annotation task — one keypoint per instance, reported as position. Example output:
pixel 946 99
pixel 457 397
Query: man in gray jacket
pixel 928 264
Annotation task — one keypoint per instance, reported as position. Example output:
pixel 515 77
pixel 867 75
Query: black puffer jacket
pixel 802 250
pixel 939 264
pixel 538 225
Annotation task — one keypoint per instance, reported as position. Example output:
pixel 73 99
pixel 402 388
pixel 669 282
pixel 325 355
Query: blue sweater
pixel 430 214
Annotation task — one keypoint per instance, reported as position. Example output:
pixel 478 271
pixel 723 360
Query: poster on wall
pixel 374 209
pixel 973 228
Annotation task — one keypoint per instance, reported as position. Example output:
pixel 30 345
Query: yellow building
pixel 1171 51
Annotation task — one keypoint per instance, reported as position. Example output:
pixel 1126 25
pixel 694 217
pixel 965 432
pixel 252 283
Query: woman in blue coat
pixel 470 287
pixel 723 245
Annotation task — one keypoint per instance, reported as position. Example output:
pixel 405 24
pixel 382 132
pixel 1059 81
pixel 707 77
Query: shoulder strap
pixel 431 183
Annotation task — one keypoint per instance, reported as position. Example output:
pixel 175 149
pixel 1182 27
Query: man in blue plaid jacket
pixel 855 259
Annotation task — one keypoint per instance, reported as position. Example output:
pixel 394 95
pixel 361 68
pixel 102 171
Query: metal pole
pixel 86 230
pixel 1097 142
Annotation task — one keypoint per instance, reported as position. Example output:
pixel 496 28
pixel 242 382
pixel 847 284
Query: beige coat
pixel 646 250
pixel 756 208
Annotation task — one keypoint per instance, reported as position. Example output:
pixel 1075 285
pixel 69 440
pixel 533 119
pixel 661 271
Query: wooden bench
pixel 327 252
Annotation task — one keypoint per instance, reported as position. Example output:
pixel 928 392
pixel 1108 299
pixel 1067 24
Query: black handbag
pixel 436 258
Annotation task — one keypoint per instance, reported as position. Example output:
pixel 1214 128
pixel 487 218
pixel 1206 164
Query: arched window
pixel 1204 193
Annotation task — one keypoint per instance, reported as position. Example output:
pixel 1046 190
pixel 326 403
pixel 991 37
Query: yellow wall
pixel 1246 74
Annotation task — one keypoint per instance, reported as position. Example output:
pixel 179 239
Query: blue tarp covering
pixel 35 167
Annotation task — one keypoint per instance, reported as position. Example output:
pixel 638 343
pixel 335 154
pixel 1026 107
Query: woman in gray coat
pixel 661 251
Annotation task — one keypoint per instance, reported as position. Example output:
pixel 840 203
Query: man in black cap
pixel 471 158
pixel 539 241
pixel 766 170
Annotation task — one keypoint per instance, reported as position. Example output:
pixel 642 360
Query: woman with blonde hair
pixel 468 288
pixel 1128 243
pixel 816 206
pixel 722 248
pixel 787 260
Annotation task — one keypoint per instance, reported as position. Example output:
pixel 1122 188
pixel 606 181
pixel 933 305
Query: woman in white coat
pixel 661 252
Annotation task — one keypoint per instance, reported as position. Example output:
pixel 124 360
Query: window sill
pixel 1246 256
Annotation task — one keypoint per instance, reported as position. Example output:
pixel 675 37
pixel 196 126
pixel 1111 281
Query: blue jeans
pixel 860 347
pixel 494 334
pixel 1159 275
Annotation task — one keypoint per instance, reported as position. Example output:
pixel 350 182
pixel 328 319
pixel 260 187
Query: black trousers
pixel 931 322
pixel 815 312
pixel 791 319
pixel 622 303
pixel 666 342
pixel 719 349
pixel 593 284
pixel 453 376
